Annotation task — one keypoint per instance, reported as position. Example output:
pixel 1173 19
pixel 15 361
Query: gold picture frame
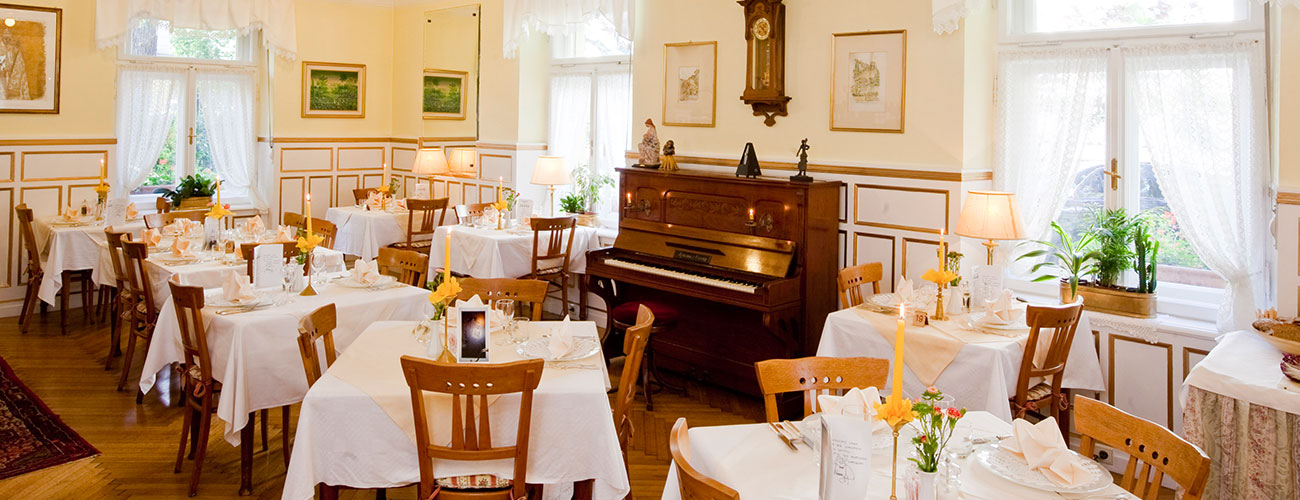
pixel 868 81
pixel 333 90
pixel 36 39
pixel 443 81
pixel 690 84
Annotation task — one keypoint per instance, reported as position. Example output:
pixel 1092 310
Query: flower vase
pixel 308 290
pixel 921 485
pixel 295 270
pixel 446 342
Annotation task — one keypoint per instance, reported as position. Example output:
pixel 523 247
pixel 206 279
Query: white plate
pixel 539 348
pixel 383 282
pixel 176 261
pixel 218 301
pixel 77 223
pixel 1011 467
pixel 979 319
pixel 811 427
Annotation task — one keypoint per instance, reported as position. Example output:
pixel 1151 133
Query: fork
pixel 792 431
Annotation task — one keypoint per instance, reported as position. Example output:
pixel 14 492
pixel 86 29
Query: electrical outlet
pixel 1103 454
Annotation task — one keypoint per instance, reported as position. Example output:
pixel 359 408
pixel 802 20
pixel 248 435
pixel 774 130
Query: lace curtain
pixel 148 101
pixel 947 14
pixel 275 18
pixel 225 104
pixel 523 18
pixel 569 130
pixel 1043 98
pixel 595 140
pixel 613 127
pixel 1201 117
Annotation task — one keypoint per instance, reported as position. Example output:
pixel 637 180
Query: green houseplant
pixel 1113 230
pixel 1072 260
pixel 587 185
pixel 1146 250
pixel 572 203
pixel 193 191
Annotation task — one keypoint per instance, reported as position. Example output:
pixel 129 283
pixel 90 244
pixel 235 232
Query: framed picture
pixel 333 90
pixel 868 81
pixel 474 330
pixel 690 84
pixel 31 44
pixel 444 94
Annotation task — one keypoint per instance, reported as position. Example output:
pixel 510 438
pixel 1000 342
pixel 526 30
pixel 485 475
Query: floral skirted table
pixel 1241 410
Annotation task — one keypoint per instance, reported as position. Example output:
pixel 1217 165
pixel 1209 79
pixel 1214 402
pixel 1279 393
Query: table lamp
pixel 550 172
pixel 430 162
pixel 462 161
pixel 990 216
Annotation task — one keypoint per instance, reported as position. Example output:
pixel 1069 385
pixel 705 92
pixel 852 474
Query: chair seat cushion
pixel 1038 392
pixel 474 482
pixel 626 313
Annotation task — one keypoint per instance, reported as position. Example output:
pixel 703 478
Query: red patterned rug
pixel 31 436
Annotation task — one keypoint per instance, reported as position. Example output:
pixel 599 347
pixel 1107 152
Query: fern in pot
pixel 193 191
pixel 1066 261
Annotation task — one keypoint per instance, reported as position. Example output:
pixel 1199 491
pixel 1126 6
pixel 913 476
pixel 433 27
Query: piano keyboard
pixel 684 276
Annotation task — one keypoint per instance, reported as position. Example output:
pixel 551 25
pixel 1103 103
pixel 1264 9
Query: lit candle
pixel 751 215
pixel 446 258
pixel 897 388
pixel 103 170
pixel 308 197
pixel 943 252
pixel 499 179
pixel 218 184
pixel 384 166
pixel 629 199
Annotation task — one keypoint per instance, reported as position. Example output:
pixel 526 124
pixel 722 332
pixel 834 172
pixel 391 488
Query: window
pixel 151 38
pixel 1120 18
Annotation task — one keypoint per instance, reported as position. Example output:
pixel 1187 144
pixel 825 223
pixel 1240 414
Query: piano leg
pixel 582 297
pixel 603 288
pixel 785 326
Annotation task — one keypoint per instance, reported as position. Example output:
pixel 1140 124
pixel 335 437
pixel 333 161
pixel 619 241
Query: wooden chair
pixel 623 317
pixel 552 260
pixel 36 274
pixel 470 433
pixel 246 251
pixel 121 301
pixel 852 279
pixel 1060 322
pixel 317 326
pixel 144 314
pixel 420 220
pixel 1159 451
pixel 816 375
pixel 693 484
pixel 323 228
pixel 464 212
pixel 162 205
pixel 158 220
pixel 520 290
pixel 634 344
pixel 362 194
pixel 408 266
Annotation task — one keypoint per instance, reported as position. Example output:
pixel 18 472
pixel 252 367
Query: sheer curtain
pixel 1201 117
pixel 225 103
pixel 274 18
pixel 1043 100
pixel 613 125
pixel 148 104
pixel 523 18
pixel 569 127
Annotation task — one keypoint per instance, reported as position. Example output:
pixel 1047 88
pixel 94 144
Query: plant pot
pixel 195 202
pixel 1113 301
pixel 586 219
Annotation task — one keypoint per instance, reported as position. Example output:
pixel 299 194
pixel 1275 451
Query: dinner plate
pixel 77 223
pixel 384 281
pixel 1013 468
pixel 176 261
pixel 220 301
pixel 539 348
pixel 979 319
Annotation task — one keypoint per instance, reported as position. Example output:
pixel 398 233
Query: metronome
pixel 748 166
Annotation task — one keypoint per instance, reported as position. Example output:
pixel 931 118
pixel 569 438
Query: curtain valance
pixel 523 18
pixel 275 19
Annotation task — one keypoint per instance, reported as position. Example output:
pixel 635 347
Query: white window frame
pixel 247 48
pixel 1193 302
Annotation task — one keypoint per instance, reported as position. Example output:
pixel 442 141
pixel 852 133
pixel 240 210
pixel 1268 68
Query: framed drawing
pixel 31 44
pixel 868 81
pixel 444 94
pixel 333 90
pixel 690 84
pixel 474 329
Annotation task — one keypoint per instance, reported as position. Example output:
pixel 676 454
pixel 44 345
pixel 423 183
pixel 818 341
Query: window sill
pixel 1197 327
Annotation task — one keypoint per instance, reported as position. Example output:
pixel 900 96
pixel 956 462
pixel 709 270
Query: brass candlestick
pixel 446 356
pixel 893 474
pixel 308 291
pixel 938 306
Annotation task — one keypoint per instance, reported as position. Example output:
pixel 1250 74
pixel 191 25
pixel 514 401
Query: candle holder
pixel 938 304
pixel 446 356
pixel 765 223
pixel 893 473
pixel 643 207
pixel 308 290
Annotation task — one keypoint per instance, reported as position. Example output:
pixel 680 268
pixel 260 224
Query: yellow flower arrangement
pixel 895 411
pixel 310 242
pixel 219 211
pixel 382 189
pixel 500 206
pixel 102 188
pixel 446 291
pixel 939 277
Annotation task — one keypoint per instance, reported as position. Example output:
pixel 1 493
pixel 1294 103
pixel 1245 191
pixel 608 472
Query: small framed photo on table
pixel 474 333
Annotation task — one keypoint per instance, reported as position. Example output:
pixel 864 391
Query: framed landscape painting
pixel 868 80
pixel 690 83
pixel 30 49
pixel 443 94
pixel 333 90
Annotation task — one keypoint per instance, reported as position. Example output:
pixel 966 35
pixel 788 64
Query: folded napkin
pixel 1043 448
pixel 181 247
pixel 287 233
pixel 857 402
pixel 254 225
pixel 365 272
pixel 1000 309
pixel 906 293
pixel 236 288
pixel 151 237
pixel 562 340
pixel 180 227
pixel 131 211
pixel 401 204
pixel 375 201
pixel 70 214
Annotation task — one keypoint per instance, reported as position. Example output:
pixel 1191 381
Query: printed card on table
pixel 268 266
pixel 846 457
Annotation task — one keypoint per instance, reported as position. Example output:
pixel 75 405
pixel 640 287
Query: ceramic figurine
pixel 669 159
pixel 649 147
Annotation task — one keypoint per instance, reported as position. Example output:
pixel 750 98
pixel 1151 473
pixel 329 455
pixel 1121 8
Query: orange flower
pixel 895 411
pixel 218 212
pixel 446 291
pixel 939 277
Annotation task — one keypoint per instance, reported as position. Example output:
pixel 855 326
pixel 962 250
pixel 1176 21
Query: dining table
pixel 751 459
pixel 488 252
pixel 76 245
pixel 362 231
pixel 978 366
pixel 1245 414
pixel 254 352
pixel 356 427
pixel 208 270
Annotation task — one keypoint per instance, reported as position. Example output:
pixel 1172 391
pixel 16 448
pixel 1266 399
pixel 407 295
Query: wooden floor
pixel 138 442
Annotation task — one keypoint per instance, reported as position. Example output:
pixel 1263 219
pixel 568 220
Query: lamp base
pixel 991 245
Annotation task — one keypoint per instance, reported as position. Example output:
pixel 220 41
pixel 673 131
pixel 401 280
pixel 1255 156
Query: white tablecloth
pixel 65 248
pixel 489 253
pixel 255 354
pixel 750 459
pixel 982 376
pixel 345 438
pixel 363 232
pixel 1246 367
pixel 210 274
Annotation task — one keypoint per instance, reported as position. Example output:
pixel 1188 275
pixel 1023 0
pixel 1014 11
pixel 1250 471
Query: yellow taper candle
pixel 103 170
pixel 943 252
pixel 499 179
pixel 218 183
pixel 308 215
pixel 897 388
pixel 446 258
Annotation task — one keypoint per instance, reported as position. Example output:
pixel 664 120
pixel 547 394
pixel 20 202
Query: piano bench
pixel 665 319
pixel 625 314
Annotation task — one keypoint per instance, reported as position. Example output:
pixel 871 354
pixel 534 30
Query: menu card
pixel 421 191
pixel 846 457
pixel 523 210
pixel 115 211
pixel 268 266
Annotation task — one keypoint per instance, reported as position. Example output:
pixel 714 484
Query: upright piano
pixel 749 264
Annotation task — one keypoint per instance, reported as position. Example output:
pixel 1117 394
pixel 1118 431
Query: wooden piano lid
pixel 716 176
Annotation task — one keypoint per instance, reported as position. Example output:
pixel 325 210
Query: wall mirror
pixel 449 93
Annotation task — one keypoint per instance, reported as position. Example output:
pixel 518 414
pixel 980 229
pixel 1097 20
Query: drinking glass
pixel 507 309
pixel 519 334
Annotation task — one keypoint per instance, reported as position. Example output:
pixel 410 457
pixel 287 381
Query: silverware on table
pixel 783 437
pixel 793 432
pixel 241 309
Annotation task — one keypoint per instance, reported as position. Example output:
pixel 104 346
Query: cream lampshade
pixel 990 215
pixel 550 172
pixel 430 162
pixel 462 160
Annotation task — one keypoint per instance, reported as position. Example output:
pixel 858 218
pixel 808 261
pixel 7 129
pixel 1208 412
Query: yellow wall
pixel 1287 95
pixel 934 99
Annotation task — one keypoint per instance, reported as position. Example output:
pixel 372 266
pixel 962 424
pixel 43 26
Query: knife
pixel 784 439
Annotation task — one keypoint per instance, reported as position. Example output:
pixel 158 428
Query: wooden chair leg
pixel 645 383
pixel 31 302
pixel 126 361
pixel 64 292
pixel 114 335
pixel 87 299
pixel 284 434
pixel 205 427
pixel 264 419
pixel 185 431
pixel 194 428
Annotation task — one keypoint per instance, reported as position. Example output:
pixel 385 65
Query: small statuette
pixel 802 176
pixel 669 158
pixel 649 147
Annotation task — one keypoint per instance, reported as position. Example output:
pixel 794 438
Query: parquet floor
pixel 138 442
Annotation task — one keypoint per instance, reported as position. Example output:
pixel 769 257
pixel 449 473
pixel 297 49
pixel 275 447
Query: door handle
pixel 191 135
pixel 1113 173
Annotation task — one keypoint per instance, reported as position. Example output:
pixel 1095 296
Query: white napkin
pixel 287 233
pixel 905 291
pixel 177 227
pixel 70 214
pixel 375 201
pixel 181 247
pixel 365 272
pixel 236 288
pixel 152 237
pixel 401 204
pixel 858 402
pixel 1043 448
pixel 254 225
pixel 999 310
pixel 562 340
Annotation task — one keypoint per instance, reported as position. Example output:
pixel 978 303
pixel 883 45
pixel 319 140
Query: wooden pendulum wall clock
pixel 765 59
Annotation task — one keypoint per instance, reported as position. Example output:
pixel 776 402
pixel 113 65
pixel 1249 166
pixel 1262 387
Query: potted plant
pixel 194 191
pixel 1072 260
pixel 572 204
pixel 587 186
pixel 1122 243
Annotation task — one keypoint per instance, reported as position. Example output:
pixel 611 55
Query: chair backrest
pixel 852 279
pixel 115 240
pixel 637 336
pixel 693 484
pixel 1158 450
pixel 470 210
pixel 520 290
pixel 1058 321
pixel 362 194
pixel 323 228
pixel 557 245
pixel 318 325
pixel 471 438
pixel 816 375
pixel 246 251
pixel 158 220
pixel 293 220
pixel 408 266
pixel 194 339
pixel 162 205
pixel 25 220
pixel 424 217
pixel 137 276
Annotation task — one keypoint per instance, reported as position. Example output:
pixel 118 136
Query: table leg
pixel 582 489
pixel 582 297
pixel 246 456
pixel 328 492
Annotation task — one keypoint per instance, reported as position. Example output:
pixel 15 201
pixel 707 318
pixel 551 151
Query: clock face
pixel 762 28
